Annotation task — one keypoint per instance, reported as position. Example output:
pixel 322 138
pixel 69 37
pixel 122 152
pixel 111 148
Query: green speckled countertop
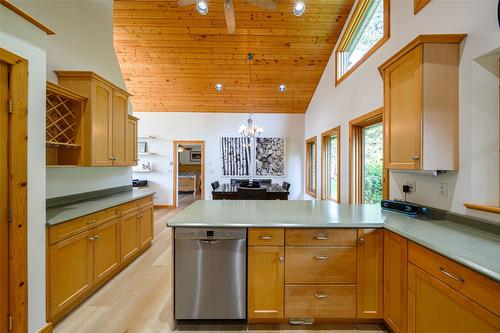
pixel 63 213
pixel 475 249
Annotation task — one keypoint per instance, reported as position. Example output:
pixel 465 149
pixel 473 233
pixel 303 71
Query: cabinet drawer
pixel 266 236
pixel 340 237
pixel 475 286
pixel 318 264
pixel 133 205
pixel 320 301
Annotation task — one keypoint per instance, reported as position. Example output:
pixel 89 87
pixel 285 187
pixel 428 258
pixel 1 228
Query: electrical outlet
pixel 413 185
pixel 443 190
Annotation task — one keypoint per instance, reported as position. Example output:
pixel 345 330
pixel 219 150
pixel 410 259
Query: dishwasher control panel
pixel 210 233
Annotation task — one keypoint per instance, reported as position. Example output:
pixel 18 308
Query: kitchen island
pixel 317 260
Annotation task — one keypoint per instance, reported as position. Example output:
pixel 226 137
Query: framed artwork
pixel 142 147
pixel 195 156
pixel 235 154
pixel 270 157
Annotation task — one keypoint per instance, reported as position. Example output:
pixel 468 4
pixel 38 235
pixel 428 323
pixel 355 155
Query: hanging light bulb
pixel 299 8
pixel 250 130
pixel 202 7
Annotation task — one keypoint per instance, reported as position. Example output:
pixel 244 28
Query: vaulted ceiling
pixel 171 57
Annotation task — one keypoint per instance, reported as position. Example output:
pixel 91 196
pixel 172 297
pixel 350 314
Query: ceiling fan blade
pixel 229 13
pixel 266 4
pixel 183 3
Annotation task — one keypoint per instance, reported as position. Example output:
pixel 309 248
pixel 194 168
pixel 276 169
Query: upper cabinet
pixel 421 104
pixel 105 122
pixel 131 143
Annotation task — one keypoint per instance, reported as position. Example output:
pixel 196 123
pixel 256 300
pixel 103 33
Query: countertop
pixel 475 249
pixel 63 213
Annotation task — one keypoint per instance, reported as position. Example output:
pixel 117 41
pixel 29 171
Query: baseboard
pixel 46 329
pixel 164 206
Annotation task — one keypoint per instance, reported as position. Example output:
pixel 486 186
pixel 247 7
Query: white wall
pixel 83 41
pixel 23 39
pixel 362 91
pixel 210 127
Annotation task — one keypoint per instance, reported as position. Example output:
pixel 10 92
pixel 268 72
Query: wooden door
pixel 434 307
pixel 369 273
pixel 119 128
pixel 129 235
pixel 146 226
pixel 266 282
pixel 70 271
pixel 106 242
pixel 131 141
pixel 4 190
pixel 101 109
pixel 395 281
pixel 403 110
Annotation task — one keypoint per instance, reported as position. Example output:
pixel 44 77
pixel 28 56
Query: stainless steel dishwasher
pixel 210 273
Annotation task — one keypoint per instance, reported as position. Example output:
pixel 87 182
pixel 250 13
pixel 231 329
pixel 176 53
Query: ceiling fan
pixel 202 7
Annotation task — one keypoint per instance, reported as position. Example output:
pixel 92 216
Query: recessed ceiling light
pixel 281 87
pixel 299 8
pixel 219 86
pixel 202 7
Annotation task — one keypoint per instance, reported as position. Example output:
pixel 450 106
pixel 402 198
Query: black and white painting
pixel 270 157
pixel 236 157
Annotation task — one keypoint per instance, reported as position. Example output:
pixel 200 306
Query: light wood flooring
pixel 185 199
pixel 139 299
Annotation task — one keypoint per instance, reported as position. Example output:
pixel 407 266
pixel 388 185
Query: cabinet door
pixel 266 282
pixel 102 100
pixel 369 273
pixel 131 143
pixel 395 281
pixel 119 128
pixel 434 307
pixel 146 226
pixel 69 271
pixel 129 235
pixel 106 240
pixel 402 111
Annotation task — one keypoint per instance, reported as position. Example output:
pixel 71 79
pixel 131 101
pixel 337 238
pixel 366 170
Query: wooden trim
pixel 312 140
pixel 17 194
pixel 348 33
pixel 418 5
pixel 164 206
pixel 355 155
pixel 52 87
pixel 421 39
pixel 324 136
pixel 9 5
pixel 483 208
pixel 89 74
pixel 174 173
pixel 46 329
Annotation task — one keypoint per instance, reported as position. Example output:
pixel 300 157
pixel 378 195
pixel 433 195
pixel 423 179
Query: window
pixel 367 30
pixel 368 178
pixel 330 168
pixel 311 167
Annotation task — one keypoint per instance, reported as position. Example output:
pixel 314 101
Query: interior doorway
pixel 188 172
pixel 13 192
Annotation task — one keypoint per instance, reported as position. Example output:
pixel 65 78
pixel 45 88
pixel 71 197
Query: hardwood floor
pixel 185 199
pixel 138 300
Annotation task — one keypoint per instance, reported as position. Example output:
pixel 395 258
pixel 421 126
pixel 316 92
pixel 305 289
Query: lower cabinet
pixel 266 282
pixel 146 221
pixel 106 243
pixel 129 235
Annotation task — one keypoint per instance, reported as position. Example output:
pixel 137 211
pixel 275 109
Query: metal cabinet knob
pixel 361 240
pixel 415 157
pixel 282 259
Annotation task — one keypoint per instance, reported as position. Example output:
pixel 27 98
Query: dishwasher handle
pixel 210 241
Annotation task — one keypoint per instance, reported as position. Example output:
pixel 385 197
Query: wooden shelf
pixel 483 208
pixel 147 137
pixel 61 144
pixel 147 153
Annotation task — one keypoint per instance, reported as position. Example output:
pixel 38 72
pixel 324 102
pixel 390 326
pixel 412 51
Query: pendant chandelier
pixel 250 130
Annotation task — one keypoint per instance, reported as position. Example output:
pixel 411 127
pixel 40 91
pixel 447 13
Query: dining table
pixel 227 191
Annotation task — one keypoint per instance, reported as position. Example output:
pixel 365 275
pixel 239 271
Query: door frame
pixel 175 162
pixel 16 300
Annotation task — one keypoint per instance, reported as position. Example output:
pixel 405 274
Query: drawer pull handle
pixel 452 276
pixel 320 257
pixel 282 259
pixel 92 221
pixel 266 237
pixel 415 157
pixel 319 295
pixel 321 236
pixel 92 238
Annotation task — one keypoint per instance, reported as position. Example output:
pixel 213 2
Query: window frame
pixel 356 127
pixel 347 35
pixel 309 166
pixel 325 137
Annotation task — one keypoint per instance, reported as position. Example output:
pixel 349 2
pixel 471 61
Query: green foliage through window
pixel 373 154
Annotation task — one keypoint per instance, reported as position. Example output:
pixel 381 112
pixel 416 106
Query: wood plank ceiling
pixel 171 57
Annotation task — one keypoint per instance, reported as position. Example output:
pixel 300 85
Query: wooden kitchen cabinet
pixel 106 242
pixel 369 273
pixel 104 120
pixel 131 141
pixel 129 235
pixel 395 281
pixel 146 225
pixel 421 104
pixel 266 282
pixel 70 267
